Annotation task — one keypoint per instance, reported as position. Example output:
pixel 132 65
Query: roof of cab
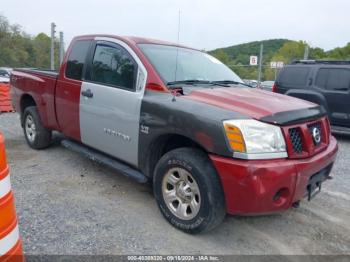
pixel 134 40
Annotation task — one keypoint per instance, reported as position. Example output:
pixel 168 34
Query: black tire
pixel 212 205
pixel 42 137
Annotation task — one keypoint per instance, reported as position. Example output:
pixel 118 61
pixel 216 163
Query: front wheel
pixel 37 136
pixel 188 190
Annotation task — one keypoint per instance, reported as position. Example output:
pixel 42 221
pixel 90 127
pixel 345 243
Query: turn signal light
pixel 235 138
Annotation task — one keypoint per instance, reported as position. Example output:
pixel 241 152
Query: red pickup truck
pixel 179 118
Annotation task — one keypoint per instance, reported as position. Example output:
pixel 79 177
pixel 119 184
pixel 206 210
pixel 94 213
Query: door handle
pixel 87 93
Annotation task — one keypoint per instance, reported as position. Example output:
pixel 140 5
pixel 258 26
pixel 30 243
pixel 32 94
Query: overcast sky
pixel 205 24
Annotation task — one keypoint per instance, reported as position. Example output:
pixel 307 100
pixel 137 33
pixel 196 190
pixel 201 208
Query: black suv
pixel 326 83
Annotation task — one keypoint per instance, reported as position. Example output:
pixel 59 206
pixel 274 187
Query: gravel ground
pixel 70 205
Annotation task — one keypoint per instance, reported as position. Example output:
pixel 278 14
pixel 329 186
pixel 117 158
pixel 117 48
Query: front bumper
pixel 254 187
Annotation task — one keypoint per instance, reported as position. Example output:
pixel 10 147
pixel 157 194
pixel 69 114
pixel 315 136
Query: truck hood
pixel 256 103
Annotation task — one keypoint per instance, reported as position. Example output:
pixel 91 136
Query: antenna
pixel 178 27
pixel 178 40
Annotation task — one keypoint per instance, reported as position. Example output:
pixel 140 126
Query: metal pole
pixel 61 48
pixel 260 62
pixel 306 52
pixel 275 72
pixel 53 46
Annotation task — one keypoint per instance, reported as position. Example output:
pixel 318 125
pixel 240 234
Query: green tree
pixel 290 51
pixel 222 56
pixel 18 49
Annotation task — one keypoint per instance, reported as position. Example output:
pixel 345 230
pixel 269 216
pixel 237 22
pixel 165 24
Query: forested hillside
pixel 237 57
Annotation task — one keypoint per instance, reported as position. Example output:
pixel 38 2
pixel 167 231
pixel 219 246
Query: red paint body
pixel 252 102
pixel 250 186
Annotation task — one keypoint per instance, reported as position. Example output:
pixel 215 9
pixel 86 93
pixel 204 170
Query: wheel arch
pixel 26 101
pixel 163 144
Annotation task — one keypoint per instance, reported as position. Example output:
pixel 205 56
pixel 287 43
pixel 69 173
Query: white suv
pixel 5 73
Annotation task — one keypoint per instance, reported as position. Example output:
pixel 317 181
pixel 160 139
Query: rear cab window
pixel 294 76
pixel 76 59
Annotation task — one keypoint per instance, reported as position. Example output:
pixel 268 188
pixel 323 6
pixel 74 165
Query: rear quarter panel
pixel 41 88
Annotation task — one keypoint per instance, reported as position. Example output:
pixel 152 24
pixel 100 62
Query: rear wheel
pixel 37 136
pixel 188 190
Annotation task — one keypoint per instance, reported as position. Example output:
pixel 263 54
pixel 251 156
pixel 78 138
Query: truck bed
pixel 47 72
pixel 39 84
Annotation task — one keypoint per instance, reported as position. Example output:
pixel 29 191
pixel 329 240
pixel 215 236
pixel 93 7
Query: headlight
pixel 252 139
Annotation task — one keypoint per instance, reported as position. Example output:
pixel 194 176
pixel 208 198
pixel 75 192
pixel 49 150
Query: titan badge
pixel 116 134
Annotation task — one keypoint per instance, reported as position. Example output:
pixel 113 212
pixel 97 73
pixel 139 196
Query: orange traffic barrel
pixel 5 98
pixel 10 242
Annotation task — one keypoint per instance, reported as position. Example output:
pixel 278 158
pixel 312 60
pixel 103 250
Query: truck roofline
pixel 133 40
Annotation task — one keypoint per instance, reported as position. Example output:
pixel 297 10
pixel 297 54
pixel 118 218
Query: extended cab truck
pixel 178 117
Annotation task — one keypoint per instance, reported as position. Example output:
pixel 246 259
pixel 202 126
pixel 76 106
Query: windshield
pixel 191 64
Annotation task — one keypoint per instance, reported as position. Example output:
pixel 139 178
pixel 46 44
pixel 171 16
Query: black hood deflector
pixel 296 116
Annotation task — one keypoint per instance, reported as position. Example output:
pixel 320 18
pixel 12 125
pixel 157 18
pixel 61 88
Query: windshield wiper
pixel 227 82
pixel 195 81
pixel 188 82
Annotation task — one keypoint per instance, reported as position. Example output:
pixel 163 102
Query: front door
pixel 110 101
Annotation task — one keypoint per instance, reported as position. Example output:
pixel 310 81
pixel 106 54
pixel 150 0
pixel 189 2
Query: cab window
pixel 112 65
pixel 76 59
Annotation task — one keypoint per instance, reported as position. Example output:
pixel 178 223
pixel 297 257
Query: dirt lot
pixel 70 205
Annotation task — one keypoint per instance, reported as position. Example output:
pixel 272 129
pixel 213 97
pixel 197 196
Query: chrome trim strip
pixel 257 156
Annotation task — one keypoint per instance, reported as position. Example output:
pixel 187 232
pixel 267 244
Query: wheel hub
pixel 30 128
pixel 184 191
pixel 181 193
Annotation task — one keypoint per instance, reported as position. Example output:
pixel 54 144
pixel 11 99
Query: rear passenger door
pixel 68 89
pixel 334 84
pixel 111 97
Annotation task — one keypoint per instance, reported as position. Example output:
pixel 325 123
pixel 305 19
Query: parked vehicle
pixel 326 83
pixel 251 82
pixel 178 117
pixel 267 85
pixel 5 73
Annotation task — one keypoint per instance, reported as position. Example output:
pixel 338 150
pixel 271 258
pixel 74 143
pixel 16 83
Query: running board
pixel 105 160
